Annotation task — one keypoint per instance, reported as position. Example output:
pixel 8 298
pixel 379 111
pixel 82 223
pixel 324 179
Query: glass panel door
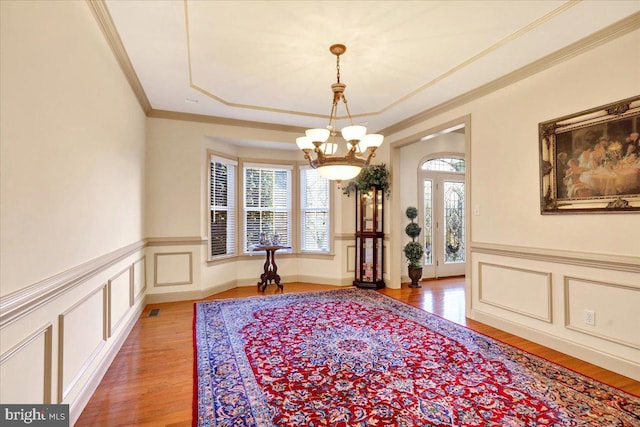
pixel 442 219
pixel 454 221
pixel 451 259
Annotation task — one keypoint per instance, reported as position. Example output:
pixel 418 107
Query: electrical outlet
pixel 590 317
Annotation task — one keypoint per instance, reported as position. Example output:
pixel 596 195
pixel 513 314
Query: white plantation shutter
pixel 314 214
pixel 267 203
pixel 222 191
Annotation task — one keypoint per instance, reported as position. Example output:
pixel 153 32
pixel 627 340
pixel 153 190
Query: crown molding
pixel 215 120
pixel 102 15
pixel 620 28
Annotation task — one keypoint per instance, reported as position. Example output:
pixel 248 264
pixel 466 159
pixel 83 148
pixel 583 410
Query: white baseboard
pixel 624 367
pixel 77 406
pixel 345 281
pixel 190 295
pixel 200 294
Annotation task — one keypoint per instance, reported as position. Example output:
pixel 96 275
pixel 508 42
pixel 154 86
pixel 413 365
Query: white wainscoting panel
pixel 139 279
pixel 25 369
pixel 119 297
pixel 173 268
pixel 523 291
pixel 619 323
pixel 351 258
pixel 82 334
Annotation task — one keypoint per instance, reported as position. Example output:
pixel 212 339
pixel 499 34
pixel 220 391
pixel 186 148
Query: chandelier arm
pixel 346 107
pixel 320 156
pixel 352 149
pixel 372 154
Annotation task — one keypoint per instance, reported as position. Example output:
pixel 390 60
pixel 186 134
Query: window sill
pixel 221 259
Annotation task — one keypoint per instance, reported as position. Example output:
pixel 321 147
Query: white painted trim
pixel 176 241
pixel 618 29
pixel 47 331
pixel 84 395
pixel 351 262
pixel 24 301
pixel 201 294
pixel 190 295
pixel 344 281
pixel 103 17
pixel 547 318
pixel 556 256
pixel 315 255
pixel 629 368
pixel 143 262
pixel 62 391
pixel 112 327
pixel 567 319
pixel 155 269
pixel 344 236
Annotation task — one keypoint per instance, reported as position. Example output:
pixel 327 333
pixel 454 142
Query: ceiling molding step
pixel 201 118
pixel 620 28
pixel 102 15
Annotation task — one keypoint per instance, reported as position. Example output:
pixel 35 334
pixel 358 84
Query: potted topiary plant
pixel 413 250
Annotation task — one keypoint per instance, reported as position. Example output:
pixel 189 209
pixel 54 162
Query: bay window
pixel 267 204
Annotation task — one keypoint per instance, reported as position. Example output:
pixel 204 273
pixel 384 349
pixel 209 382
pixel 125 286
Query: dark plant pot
pixel 415 274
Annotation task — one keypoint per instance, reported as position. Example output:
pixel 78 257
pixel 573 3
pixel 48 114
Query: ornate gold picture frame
pixel 590 161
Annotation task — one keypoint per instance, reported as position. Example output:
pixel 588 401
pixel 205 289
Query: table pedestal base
pixel 270 271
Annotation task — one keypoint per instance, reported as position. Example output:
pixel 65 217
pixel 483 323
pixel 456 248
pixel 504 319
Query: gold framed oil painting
pixel 590 161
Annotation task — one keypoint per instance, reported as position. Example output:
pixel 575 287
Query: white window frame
pixel 287 208
pixel 230 208
pixel 303 209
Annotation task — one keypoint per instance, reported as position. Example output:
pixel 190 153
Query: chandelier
pixel 321 143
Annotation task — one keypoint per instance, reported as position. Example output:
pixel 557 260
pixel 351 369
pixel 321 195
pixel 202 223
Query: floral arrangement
pixel 371 176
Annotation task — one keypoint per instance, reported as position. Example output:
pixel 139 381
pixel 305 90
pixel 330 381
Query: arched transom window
pixel 444 164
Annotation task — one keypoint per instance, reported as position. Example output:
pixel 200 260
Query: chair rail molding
pixel 24 301
pixel 585 259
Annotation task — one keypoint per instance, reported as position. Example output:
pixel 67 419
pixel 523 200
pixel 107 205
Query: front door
pixel 443 226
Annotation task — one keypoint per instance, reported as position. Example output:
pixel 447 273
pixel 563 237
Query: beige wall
pixel 176 176
pixel 530 274
pixel 72 204
pixel 505 153
pixel 85 177
pixel 72 144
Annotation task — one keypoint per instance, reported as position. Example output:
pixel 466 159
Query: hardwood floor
pixel 150 382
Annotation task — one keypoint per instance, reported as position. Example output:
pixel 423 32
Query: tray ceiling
pixel 269 61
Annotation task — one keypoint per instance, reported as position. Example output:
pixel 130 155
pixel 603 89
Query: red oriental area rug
pixel 354 358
